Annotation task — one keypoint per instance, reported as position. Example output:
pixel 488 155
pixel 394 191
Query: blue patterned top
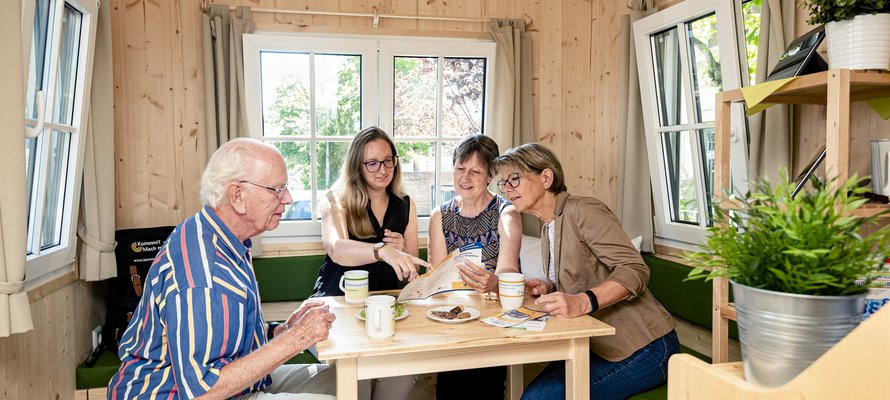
pixel 483 228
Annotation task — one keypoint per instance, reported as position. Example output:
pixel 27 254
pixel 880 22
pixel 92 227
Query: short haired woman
pixel 476 215
pixel 592 269
pixel 369 223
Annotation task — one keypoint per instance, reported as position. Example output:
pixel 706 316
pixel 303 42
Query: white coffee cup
pixel 380 316
pixel 511 290
pixel 354 285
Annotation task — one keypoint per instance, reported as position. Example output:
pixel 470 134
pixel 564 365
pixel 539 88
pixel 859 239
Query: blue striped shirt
pixel 200 310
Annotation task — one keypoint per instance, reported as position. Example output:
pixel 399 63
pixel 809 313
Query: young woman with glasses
pixel 369 223
pixel 592 268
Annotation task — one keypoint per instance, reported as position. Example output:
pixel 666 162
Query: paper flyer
pixel 443 277
pixel 520 318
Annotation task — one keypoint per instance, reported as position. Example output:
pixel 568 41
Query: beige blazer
pixel 590 247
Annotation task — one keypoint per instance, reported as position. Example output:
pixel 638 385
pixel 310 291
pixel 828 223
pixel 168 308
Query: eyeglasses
pixel 389 163
pixel 279 192
pixel 513 181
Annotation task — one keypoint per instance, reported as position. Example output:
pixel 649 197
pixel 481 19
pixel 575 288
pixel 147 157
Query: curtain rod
pixel 376 14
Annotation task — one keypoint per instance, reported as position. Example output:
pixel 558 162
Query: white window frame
pixel 377 96
pixel 668 232
pixel 47 263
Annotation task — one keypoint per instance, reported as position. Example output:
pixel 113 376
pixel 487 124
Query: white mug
pixel 354 285
pixel 511 290
pixel 380 316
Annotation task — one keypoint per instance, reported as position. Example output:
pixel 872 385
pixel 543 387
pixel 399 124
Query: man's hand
pixel 536 287
pixel 313 320
pixel 477 277
pixel 560 304
pixel 403 263
pixel 394 239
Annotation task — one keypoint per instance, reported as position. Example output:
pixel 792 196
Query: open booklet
pixel 443 277
pixel 520 318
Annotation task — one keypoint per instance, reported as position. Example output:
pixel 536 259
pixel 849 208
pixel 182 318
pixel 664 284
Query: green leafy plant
pixel 809 244
pixel 822 11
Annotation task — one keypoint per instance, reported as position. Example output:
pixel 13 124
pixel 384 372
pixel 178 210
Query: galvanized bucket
pixel 781 334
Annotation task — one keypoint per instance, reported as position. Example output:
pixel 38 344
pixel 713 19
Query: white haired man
pixel 198 331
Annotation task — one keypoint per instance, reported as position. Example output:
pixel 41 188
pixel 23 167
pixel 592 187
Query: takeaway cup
pixel 511 290
pixel 354 285
pixel 380 316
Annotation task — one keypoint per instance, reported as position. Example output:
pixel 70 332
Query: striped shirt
pixel 200 310
pixel 483 229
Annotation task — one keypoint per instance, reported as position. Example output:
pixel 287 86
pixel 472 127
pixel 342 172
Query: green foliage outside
pixel 822 11
pixel 809 244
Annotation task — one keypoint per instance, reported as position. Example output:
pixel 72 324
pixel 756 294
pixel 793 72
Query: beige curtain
pixel 15 309
pixel 634 189
pixel 96 230
pixel 224 104
pixel 513 118
pixel 771 130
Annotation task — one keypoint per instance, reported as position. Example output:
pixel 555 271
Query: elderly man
pixel 199 330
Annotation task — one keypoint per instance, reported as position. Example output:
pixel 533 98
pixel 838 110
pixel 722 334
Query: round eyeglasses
pixel 374 165
pixel 513 180
pixel 279 192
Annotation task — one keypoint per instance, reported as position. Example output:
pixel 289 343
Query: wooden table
pixel 422 345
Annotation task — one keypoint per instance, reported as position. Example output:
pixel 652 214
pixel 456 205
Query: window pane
pixel 704 54
pixel 68 62
pixel 666 56
pixel 338 91
pixel 706 142
pixel 463 89
pixel 285 86
pixel 751 15
pixel 329 157
pixel 446 177
pixel 296 157
pixel 680 176
pixel 57 172
pixel 418 168
pixel 39 56
pixel 30 157
pixel 414 96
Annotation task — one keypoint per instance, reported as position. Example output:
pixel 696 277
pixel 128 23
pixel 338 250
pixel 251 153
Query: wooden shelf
pixel 811 89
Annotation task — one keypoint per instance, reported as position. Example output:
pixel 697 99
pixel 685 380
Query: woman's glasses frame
pixel 375 165
pixel 513 180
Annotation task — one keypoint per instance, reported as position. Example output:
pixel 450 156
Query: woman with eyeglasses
pixel 476 215
pixel 369 223
pixel 593 269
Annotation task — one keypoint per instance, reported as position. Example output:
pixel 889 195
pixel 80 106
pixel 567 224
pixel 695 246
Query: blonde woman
pixel 369 223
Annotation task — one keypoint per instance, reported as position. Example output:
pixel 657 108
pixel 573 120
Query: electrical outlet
pixel 97 337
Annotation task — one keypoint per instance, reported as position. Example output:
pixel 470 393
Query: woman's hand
pixel 477 277
pixel 560 304
pixel 403 263
pixel 536 287
pixel 394 239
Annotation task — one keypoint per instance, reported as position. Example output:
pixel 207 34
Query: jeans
pixel 643 370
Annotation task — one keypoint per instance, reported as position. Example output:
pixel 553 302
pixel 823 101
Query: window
pixel 309 95
pixel 686 55
pixel 58 51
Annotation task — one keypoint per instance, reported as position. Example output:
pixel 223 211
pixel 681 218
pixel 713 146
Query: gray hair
pixel 484 146
pixel 234 161
pixel 534 157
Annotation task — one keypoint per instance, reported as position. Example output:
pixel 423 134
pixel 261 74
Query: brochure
pixel 520 318
pixel 443 277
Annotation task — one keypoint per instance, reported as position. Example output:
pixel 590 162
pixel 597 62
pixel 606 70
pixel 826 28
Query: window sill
pixel 43 285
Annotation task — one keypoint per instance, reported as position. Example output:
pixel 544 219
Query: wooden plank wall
pixel 159 86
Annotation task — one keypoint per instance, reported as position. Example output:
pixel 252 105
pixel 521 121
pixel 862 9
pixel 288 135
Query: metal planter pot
pixel 781 334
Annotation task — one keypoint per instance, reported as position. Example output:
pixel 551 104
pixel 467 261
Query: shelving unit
pixel 835 89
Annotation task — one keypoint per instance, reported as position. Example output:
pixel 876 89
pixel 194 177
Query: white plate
pixel 358 314
pixel 474 313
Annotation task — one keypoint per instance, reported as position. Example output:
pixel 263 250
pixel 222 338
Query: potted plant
pixel 857 31
pixel 793 263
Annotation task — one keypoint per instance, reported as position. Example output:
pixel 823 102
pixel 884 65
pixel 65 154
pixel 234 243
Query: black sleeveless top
pixel 381 276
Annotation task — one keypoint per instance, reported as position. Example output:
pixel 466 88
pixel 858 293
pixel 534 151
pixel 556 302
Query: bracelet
pixel 594 303
pixel 270 331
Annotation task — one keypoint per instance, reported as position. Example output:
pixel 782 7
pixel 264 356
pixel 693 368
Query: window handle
pixel 41 110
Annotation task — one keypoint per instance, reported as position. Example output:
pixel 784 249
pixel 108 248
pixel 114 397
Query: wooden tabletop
pixel 417 333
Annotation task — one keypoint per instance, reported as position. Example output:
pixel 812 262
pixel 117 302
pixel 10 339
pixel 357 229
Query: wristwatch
pixel 377 247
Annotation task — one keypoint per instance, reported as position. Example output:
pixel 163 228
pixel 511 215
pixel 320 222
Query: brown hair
pixel 354 198
pixel 534 157
pixel 482 145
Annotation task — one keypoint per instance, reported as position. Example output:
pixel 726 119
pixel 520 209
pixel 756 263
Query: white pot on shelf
pixel 859 43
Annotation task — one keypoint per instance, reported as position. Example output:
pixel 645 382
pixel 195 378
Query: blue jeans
pixel 643 370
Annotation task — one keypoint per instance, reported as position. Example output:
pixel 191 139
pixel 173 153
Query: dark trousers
pixel 480 383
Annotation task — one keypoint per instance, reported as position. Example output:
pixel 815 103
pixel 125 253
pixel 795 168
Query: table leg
pixel 514 381
pixel 578 370
pixel 347 379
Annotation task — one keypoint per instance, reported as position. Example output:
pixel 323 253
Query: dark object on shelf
pixel 808 172
pixel 880 198
pixel 801 58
